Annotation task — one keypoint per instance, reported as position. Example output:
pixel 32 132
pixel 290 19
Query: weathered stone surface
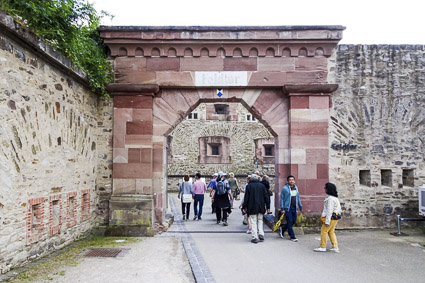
pixel 379 105
pixel 52 147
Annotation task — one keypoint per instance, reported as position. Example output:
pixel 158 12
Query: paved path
pixel 228 255
pixel 202 251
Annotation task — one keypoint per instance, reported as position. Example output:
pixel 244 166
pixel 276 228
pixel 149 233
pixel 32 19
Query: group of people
pixel 256 203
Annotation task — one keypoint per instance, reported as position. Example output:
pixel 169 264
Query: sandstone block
pixel 309 128
pixel 202 64
pixel 276 64
pixel 135 102
pixel 298 156
pixel 164 111
pixel 120 155
pixel 317 156
pixel 175 79
pixel 300 102
pixel 163 64
pixel 306 77
pixel 308 142
pixel 240 64
pixel 323 171
pixel 139 128
pixel 311 64
pixel 268 79
pixel 142 115
pixel 138 140
pixel 319 102
pixel 124 186
pixel 132 171
pixel 307 171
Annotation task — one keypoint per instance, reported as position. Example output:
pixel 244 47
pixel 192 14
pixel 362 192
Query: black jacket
pixel 256 198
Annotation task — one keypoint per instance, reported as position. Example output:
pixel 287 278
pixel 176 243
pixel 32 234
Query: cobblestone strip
pixel 199 267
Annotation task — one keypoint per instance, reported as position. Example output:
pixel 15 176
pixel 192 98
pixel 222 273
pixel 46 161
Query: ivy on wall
pixel 70 27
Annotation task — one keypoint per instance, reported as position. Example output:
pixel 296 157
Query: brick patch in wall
pixel 35 220
pixel 55 219
pixel 71 209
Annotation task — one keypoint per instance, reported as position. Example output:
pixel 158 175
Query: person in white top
pixel 330 216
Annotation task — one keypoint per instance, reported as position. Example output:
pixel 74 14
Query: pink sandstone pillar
pixel 309 142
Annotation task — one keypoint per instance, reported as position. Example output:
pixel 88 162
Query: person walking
pixel 221 197
pixel 246 220
pixel 210 186
pixel 199 189
pixel 330 216
pixel 185 191
pixel 289 204
pixel 256 202
pixel 234 186
pixel 266 183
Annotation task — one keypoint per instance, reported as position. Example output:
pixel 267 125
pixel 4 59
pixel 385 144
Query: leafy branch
pixel 70 26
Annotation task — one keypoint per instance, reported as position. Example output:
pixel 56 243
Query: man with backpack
pixel 255 203
pixel 221 194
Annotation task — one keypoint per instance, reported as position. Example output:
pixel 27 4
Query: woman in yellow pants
pixel 330 216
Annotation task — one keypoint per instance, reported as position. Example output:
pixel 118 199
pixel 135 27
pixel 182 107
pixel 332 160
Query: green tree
pixel 70 26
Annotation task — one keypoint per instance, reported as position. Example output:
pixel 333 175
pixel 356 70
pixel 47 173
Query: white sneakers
pixel 333 250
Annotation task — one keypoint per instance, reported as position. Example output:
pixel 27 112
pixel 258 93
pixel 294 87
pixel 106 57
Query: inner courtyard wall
pixel 377 125
pixel 183 144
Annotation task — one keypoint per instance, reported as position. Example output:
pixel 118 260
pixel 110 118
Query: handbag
pixel 187 198
pixel 336 216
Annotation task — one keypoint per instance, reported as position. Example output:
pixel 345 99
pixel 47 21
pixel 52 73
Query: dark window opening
pixel 268 150
pixel 215 150
pixel 221 108
pixel 386 177
pixel 364 176
pixel 408 177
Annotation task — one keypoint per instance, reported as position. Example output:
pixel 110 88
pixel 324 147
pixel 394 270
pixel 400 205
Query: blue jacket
pixel 285 198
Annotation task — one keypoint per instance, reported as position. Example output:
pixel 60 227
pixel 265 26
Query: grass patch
pixel 53 266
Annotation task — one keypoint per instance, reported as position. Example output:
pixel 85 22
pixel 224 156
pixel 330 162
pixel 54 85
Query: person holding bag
pixel 187 194
pixel 330 216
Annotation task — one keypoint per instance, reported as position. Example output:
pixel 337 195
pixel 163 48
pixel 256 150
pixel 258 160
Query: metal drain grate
pixel 103 252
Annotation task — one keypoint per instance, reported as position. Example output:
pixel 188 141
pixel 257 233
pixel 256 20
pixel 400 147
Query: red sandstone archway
pixel 278 73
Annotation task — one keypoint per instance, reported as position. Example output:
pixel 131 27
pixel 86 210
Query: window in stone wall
pixel 408 177
pixel 268 150
pixel 250 118
pixel 364 176
pixel 221 108
pixel 215 149
pixel 386 177
pixel 193 116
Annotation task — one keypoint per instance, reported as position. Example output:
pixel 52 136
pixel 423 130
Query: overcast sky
pixel 366 21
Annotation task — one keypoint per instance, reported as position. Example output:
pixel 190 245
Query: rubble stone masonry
pixel 52 149
pixel 377 132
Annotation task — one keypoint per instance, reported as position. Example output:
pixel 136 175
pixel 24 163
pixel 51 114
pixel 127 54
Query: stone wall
pixel 378 126
pixel 184 144
pixel 51 149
